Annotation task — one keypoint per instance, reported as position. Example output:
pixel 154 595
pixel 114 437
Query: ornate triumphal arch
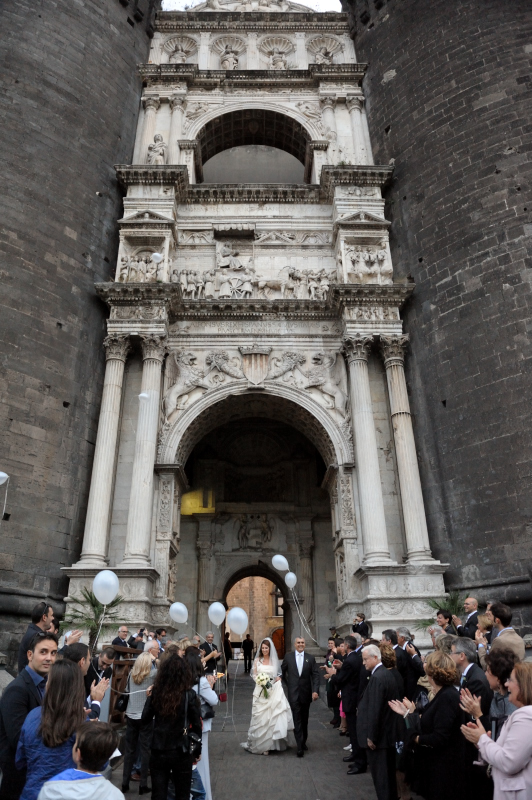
pixel 255 398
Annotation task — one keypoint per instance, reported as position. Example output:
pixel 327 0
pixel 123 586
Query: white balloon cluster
pixel 280 563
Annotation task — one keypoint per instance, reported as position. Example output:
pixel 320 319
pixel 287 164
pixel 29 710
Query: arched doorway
pixel 263 595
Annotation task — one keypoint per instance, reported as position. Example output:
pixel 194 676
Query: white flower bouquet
pixel 265 682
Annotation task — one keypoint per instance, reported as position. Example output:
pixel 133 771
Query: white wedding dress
pixel 271 726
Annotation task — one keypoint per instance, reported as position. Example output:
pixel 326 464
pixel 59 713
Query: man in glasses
pixel 121 641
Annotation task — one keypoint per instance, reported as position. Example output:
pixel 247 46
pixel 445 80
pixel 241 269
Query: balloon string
pixel 5 501
pixel 99 629
pixel 302 617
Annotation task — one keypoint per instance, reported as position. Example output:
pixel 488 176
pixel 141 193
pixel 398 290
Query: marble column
pixel 417 537
pixel 151 104
pixel 138 537
pixel 94 550
pixel 376 550
pixel 306 586
pixel 355 105
pixel 177 107
pixel 327 111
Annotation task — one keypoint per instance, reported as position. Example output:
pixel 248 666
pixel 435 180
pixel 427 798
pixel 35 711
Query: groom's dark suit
pixel 300 689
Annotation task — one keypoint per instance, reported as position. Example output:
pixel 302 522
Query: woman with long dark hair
pixel 170 759
pixel 203 686
pixel 49 732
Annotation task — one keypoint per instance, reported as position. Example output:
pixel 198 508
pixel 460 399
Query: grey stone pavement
pixel 237 774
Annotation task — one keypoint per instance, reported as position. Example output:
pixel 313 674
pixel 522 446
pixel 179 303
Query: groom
pixel 302 680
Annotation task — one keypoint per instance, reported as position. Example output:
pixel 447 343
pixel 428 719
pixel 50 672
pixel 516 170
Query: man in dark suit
pixel 302 680
pixel 19 698
pixel 211 654
pixel 412 664
pixel 247 647
pixel 41 621
pixel 464 655
pixel 100 667
pixel 347 680
pixel 376 726
pixel 360 626
pixel 469 627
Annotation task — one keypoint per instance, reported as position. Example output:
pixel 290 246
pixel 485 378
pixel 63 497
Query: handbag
pixel 123 699
pixel 191 741
pixel 207 711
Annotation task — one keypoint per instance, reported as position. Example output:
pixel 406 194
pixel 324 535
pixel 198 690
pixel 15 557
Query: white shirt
pixel 376 667
pixel 299 661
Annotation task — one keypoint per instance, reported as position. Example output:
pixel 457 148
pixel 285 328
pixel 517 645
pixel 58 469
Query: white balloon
pixel 156 257
pixel 237 619
pixel 3 478
pixel 105 586
pixel 216 613
pixel 290 579
pixel 280 563
pixel 178 612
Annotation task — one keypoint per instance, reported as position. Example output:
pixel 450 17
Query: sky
pixel 318 5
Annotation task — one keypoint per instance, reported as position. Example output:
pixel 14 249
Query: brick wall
pixel 69 103
pixel 255 596
pixel 449 94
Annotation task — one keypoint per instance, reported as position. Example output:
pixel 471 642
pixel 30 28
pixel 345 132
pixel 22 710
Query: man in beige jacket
pixel 503 635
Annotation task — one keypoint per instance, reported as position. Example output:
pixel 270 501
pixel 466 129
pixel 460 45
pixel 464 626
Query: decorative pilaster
pixel 177 107
pixel 327 109
pixel 417 537
pixel 165 541
pixel 94 551
pixel 203 50
pixel 305 572
pixel 252 51
pixel 301 51
pixel 204 545
pixel 355 106
pixel 141 500
pixel 151 105
pixel 376 550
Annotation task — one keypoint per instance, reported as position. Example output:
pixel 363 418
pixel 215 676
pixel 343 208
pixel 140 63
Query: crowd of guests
pixel 454 723
pixel 52 743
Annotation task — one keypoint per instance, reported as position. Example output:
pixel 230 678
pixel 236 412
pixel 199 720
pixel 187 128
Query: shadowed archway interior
pixel 254 126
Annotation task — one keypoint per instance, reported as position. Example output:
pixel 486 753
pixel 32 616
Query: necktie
pixel 300 663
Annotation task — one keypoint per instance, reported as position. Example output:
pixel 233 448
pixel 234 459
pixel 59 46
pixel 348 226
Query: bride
pixel 271 718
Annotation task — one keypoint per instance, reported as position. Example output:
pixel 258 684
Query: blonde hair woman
pixel 140 679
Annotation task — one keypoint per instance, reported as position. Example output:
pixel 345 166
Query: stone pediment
pixel 145 217
pixel 361 217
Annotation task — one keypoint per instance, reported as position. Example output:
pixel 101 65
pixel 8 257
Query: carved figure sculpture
pixel 157 151
pixel 178 56
pixel 246 289
pixel 284 367
pixel 183 282
pixel 313 284
pixel 124 270
pixel 175 277
pixel 133 270
pixel 312 112
pixel 189 377
pixel 151 270
pixel 370 266
pixel 323 56
pixel 229 59
pixel 277 60
pixel 219 359
pixel 227 258
pixel 208 278
pixel 327 377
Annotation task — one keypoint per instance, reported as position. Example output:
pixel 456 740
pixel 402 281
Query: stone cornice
pixel 169 294
pixel 362 175
pixel 291 78
pixel 223 21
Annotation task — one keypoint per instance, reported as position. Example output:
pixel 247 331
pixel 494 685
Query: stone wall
pixel 69 106
pixel 448 95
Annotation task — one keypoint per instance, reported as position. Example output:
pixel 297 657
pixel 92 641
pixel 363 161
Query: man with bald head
pixel 469 627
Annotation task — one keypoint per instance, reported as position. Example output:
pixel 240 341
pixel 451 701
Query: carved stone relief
pixel 324 49
pixel 140 268
pixel 369 264
pixel 180 48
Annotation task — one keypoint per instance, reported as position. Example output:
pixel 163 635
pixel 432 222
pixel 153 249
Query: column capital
pixel 154 346
pixel 355 102
pixel 305 548
pixel 357 347
pixel 177 101
pixel 327 102
pixel 204 549
pixel 393 349
pixel 117 347
pixel 300 35
pixel 153 101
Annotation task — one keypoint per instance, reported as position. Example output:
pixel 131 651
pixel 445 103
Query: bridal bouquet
pixel 264 681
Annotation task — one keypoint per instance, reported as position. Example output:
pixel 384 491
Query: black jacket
pixel 470 627
pixel 168 731
pixel 24 645
pixel 300 688
pixel 439 756
pixel 212 662
pixel 414 671
pixel 19 698
pixel 478 685
pixel 347 681
pixel 375 718
pixel 362 628
pixel 93 674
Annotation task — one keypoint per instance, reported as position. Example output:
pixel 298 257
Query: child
pixel 94 745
